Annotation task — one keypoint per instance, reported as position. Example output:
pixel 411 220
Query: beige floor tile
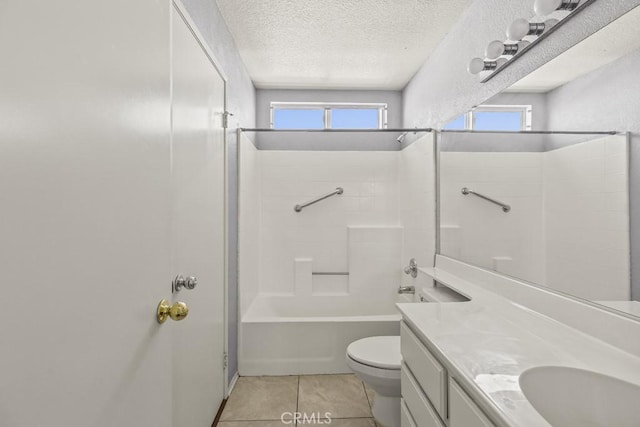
pixel 352 422
pixel 342 396
pixel 370 393
pixel 253 424
pixel 261 398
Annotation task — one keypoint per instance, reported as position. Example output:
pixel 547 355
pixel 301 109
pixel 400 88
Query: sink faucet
pixel 412 269
pixel 407 290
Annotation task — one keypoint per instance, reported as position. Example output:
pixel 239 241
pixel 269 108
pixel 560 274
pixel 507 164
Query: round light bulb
pixel 518 29
pixel 546 7
pixel 476 65
pixel 494 49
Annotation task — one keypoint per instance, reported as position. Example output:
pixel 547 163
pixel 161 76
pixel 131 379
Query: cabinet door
pixel 198 217
pixel 462 411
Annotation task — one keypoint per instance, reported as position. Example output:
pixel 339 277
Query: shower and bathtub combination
pixel 315 279
pixel 324 237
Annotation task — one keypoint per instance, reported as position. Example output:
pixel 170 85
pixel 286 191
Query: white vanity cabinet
pixel 430 397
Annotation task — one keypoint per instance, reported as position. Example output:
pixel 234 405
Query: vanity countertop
pixel 486 343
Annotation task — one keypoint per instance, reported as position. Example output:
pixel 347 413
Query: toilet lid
pixel 379 352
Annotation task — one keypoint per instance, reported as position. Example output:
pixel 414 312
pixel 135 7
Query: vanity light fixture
pixel 547 7
pixel 499 54
pixel 496 49
pixel 521 28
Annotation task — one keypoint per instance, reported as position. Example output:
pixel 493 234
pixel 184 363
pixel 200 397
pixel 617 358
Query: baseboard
pixel 232 384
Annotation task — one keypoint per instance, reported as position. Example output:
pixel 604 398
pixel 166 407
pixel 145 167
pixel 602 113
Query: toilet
pixel 376 361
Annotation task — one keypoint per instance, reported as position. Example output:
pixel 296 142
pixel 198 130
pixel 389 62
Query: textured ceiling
pixel 614 41
pixel 337 44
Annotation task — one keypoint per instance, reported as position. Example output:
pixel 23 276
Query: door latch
pixel 180 282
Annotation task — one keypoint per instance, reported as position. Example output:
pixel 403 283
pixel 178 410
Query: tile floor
pixel 261 401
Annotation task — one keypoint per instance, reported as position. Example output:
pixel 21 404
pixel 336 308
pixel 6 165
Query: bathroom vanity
pixel 464 362
pixel 429 394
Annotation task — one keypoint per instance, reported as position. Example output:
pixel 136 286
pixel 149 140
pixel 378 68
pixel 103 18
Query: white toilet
pixel 376 361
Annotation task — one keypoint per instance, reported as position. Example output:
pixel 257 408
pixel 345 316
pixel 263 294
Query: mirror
pixel 549 207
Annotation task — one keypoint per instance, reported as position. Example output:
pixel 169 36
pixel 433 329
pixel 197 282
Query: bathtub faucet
pixel 407 290
pixel 412 269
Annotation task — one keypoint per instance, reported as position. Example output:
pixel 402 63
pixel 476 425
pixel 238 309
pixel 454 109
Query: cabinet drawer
pixel 430 374
pixel 406 419
pixel 420 410
pixel 462 411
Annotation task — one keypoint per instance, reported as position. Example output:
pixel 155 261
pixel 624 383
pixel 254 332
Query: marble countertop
pixel 486 343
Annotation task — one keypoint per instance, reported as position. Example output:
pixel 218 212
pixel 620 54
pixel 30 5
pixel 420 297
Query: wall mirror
pixel 534 183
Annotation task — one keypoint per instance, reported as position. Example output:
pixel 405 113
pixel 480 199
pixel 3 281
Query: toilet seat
pixel 377 352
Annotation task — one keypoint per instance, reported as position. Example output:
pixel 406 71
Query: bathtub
pixel 292 335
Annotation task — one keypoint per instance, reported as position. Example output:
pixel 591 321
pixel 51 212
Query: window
pixel 494 118
pixel 319 115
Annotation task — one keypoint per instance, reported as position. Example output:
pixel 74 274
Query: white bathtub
pixel 289 335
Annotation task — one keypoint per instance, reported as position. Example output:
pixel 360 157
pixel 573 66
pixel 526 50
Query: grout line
pixel 298 397
pixel 367 396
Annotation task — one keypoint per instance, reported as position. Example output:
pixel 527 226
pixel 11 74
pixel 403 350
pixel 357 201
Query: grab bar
pixel 505 208
pixel 298 208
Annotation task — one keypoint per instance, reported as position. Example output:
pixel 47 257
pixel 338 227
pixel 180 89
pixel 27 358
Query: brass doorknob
pixel 177 311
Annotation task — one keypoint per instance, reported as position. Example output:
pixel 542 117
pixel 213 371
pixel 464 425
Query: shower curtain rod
pixel 334 130
pixel 541 132
pixel 416 130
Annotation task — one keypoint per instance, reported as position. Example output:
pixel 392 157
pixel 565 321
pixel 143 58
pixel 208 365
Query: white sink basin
pixel 568 397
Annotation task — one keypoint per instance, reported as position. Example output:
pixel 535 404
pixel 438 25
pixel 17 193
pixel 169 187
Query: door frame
pixel 181 9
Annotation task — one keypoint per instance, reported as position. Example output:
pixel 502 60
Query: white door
pixel 198 179
pixel 84 213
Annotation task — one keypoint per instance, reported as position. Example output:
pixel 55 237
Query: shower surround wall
pixel 361 234
pixel 320 233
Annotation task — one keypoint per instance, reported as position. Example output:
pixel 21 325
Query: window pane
pixel 455 124
pixel 354 118
pixel 284 118
pixel 497 120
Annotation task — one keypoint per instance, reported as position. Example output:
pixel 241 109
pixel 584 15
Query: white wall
pixel 365 141
pixel 249 232
pixel 587 219
pixel 479 232
pixel 416 190
pixel 240 102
